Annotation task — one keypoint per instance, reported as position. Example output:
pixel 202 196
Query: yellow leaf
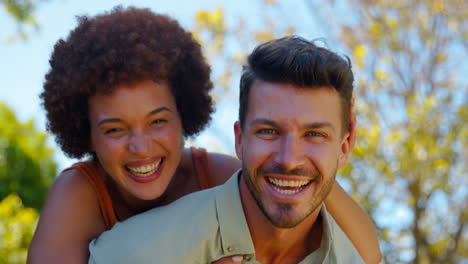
pixel 347 169
pixel 437 6
pixel 201 15
pixel 212 20
pixel 360 52
pixel 383 76
pixel 430 102
pixel 264 36
pixel 392 24
pixel 440 58
pixel 440 164
pixel 373 132
pixel 217 16
pixel 376 31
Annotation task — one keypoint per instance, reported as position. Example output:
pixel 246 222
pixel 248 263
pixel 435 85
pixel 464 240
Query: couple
pixel 127 86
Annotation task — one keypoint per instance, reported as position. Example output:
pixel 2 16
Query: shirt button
pixel 229 249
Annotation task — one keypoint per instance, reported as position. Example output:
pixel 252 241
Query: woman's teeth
pixel 144 171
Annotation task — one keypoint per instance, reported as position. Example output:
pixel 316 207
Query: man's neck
pixel 279 245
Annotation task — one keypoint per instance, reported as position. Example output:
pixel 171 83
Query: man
pixel 292 136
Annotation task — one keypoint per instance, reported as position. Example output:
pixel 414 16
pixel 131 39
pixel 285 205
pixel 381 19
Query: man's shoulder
pixel 177 229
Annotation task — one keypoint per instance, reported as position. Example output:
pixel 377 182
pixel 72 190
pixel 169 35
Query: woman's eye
pixel 158 121
pixel 112 131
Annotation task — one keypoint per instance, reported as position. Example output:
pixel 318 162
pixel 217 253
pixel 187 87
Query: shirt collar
pixel 235 234
pixel 327 238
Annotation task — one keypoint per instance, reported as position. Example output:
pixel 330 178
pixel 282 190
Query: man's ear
pixel 345 148
pixel 238 138
pixel 352 124
pixel 350 137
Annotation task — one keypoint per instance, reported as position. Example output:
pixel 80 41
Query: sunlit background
pixel 408 168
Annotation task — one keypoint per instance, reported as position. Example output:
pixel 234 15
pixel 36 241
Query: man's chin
pixel 284 216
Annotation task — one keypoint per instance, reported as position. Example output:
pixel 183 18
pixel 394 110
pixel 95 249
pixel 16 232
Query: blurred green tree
pixel 22 12
pixel 26 162
pixel 409 166
pixel 17 225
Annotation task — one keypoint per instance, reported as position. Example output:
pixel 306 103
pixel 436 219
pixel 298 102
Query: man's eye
pixel 314 134
pixel 267 131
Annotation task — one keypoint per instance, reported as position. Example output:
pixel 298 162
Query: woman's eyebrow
pixel 159 109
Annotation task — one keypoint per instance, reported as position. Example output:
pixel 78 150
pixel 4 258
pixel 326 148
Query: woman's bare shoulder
pixel 70 219
pixel 222 166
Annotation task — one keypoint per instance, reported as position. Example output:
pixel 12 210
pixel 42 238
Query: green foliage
pixel 26 163
pixel 17 225
pixel 22 12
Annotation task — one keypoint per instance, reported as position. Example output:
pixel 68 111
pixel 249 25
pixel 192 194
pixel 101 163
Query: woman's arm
pixel 355 223
pixel 222 167
pixel 69 220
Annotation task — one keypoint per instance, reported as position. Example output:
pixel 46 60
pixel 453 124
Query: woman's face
pixel 136 133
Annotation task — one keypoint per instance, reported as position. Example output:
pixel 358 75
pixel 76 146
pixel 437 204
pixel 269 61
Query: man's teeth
pixel 146 170
pixel 285 183
pixel 287 192
pixel 277 184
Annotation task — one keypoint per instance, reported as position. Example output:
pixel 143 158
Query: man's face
pixel 291 146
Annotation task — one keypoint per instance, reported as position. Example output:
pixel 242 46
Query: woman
pixel 125 88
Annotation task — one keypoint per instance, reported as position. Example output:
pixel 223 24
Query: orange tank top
pixel 200 161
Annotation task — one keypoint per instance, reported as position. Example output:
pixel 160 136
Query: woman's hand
pixel 229 260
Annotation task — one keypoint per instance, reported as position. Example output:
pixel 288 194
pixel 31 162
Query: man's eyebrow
pixel 319 125
pixel 313 125
pixel 117 120
pixel 263 121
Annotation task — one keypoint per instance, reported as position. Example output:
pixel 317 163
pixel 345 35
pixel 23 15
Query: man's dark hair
pixel 294 60
pixel 122 47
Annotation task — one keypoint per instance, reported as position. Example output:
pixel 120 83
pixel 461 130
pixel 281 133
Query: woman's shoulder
pixel 69 220
pixel 72 181
pixel 72 187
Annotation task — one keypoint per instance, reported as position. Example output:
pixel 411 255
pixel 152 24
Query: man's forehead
pixel 287 102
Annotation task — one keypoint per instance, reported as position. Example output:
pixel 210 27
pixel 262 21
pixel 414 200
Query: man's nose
pixel 290 153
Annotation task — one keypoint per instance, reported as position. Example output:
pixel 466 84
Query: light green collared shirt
pixel 200 228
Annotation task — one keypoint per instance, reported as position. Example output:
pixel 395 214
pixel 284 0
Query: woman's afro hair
pixel 123 46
